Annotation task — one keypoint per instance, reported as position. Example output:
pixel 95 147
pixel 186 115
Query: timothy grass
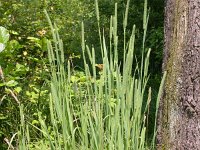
pixel 104 112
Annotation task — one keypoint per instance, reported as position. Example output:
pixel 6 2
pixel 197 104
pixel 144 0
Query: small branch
pixel 14 96
pixel 1 74
pixel 8 142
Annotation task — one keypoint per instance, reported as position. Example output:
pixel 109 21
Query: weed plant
pixel 107 111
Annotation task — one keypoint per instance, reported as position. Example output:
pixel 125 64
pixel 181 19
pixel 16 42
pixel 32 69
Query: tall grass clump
pixel 108 111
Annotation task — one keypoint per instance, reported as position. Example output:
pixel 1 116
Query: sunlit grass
pixel 106 112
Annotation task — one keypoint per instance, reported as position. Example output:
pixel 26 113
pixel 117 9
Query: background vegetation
pixel 25 60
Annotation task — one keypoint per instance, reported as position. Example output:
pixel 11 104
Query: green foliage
pixel 95 111
pixel 24 61
pixel 4 35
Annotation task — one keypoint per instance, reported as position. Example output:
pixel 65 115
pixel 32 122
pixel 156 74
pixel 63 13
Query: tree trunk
pixel 179 111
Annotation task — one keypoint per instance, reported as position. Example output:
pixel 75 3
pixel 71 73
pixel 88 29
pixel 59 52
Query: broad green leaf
pixel 73 79
pixel 35 122
pixel 2 84
pixel 3 117
pixel 11 83
pixel 2 47
pixel 83 79
pixel 4 35
pixel 34 39
pixel 18 89
pixel 14 32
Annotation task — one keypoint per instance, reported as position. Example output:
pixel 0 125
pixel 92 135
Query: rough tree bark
pixel 179 111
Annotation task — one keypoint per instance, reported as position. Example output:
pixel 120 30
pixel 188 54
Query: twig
pixel 14 96
pixel 1 74
pixel 8 142
pixel 2 99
